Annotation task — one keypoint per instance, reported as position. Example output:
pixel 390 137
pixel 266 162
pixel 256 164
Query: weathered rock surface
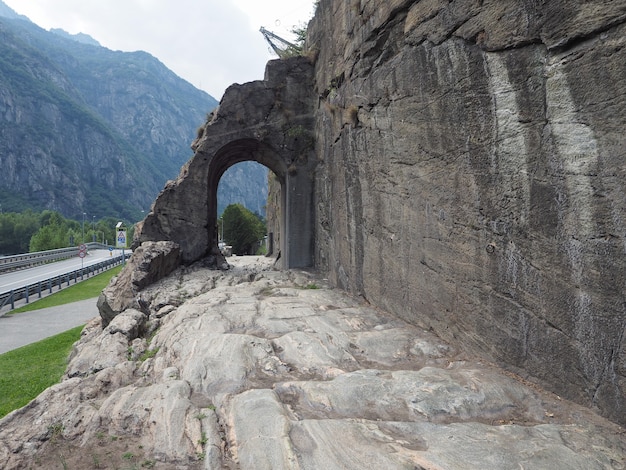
pixel 150 262
pixel 456 162
pixel 259 369
pixel 471 177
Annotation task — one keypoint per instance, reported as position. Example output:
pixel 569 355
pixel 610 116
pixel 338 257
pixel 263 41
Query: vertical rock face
pixel 472 177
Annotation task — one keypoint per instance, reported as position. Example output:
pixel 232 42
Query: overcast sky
pixel 210 43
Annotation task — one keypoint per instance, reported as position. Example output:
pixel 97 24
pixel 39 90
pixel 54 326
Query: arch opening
pixel 231 154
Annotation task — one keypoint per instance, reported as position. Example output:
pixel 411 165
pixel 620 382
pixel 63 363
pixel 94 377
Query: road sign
pixel 121 239
pixel 82 252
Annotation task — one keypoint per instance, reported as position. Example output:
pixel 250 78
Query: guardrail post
pixel 39 289
pixel 12 300
pixel 27 289
pixel 50 285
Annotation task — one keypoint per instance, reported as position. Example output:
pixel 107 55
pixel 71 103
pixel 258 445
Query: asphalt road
pixel 28 327
pixel 23 277
pixel 25 328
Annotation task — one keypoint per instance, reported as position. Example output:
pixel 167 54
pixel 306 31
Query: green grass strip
pixel 27 371
pixel 87 289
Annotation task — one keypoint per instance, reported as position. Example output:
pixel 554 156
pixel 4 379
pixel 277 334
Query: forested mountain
pixel 87 129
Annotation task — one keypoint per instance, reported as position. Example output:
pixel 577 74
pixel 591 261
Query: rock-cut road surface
pixel 261 369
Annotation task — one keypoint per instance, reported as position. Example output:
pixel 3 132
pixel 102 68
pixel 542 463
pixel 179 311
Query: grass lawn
pixel 83 290
pixel 27 371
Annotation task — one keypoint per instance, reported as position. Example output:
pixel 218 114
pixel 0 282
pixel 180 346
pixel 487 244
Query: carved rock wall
pixel 472 177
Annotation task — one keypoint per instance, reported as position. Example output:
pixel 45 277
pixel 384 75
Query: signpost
pixel 121 239
pixel 82 252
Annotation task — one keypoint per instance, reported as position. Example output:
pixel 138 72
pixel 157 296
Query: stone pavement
pixel 25 328
pixel 260 369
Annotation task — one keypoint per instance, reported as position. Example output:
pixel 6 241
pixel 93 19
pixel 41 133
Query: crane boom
pixel 280 46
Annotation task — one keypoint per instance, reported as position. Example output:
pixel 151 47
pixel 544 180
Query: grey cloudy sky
pixel 210 43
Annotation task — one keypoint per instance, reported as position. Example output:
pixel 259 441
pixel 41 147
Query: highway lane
pixel 23 277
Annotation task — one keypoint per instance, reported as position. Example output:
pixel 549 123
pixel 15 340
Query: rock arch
pixel 268 121
pixel 239 151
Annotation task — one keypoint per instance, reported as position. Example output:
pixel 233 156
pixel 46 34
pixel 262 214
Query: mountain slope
pixel 244 183
pixel 87 129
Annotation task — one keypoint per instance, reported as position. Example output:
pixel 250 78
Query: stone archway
pixel 270 122
pixel 236 152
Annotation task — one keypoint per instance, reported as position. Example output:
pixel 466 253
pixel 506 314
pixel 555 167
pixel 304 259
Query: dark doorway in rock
pixel 270 122
pixel 295 224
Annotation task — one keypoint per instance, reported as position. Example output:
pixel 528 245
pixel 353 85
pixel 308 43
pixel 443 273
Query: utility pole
pixel 83 239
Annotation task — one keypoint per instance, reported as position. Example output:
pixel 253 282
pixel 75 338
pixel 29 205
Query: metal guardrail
pixel 9 263
pixel 38 288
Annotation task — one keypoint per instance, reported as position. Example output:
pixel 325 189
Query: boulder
pixel 150 262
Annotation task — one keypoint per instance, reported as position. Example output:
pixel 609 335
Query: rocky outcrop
pixel 150 262
pixel 259 369
pixel 471 177
pixel 469 187
pixel 466 165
